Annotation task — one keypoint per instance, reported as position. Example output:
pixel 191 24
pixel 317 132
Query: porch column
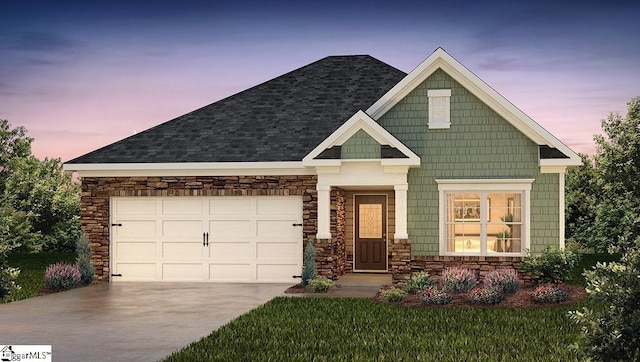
pixel 401 211
pixel 324 212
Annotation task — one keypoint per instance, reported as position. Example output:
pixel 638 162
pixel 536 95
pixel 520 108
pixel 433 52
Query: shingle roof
pixel 280 120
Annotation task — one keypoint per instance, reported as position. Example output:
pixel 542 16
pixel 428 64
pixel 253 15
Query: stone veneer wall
pixel 402 264
pixel 331 255
pixel 96 193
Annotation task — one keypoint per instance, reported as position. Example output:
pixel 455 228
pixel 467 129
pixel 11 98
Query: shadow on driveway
pixel 128 321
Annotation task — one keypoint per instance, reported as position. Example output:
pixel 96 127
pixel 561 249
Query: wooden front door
pixel 370 232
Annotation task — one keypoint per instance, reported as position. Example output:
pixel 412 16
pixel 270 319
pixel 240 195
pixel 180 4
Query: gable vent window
pixel 439 108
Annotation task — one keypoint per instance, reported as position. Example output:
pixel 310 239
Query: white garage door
pixel 225 239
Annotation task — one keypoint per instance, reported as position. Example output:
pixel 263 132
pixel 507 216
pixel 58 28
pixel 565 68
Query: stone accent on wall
pixel 481 265
pixel 400 261
pixel 331 256
pixel 96 192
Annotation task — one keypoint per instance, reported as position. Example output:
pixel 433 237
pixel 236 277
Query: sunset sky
pixel 82 74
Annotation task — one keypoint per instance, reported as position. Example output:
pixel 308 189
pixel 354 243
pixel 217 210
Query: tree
pixel 581 198
pixel 617 164
pixel 14 144
pixel 39 192
pixel 603 196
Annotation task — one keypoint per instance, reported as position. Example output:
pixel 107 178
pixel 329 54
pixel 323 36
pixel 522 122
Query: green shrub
pixel 393 294
pixel 487 295
pixel 457 280
pixel 309 269
pixel 320 285
pixel 611 333
pixel 551 292
pixel 87 270
pixel 418 282
pixel 62 276
pixel 551 266
pixel 434 295
pixel 8 286
pixel 505 280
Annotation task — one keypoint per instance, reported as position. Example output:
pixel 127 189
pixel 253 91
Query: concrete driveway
pixel 128 321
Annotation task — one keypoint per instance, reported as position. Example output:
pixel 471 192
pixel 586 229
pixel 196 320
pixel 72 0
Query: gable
pixel 361 138
pixel 479 143
pixel 440 60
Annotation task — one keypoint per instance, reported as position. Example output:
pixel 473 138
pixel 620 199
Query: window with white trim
pixel 477 218
pixel 439 108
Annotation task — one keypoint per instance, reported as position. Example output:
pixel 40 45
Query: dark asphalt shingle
pixel 280 120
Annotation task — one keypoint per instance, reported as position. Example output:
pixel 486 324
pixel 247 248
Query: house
pixel 383 171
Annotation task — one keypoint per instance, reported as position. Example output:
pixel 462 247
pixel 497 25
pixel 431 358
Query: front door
pixel 370 232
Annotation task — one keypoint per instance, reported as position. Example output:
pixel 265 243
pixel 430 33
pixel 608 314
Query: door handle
pixel 203 239
pixel 207 239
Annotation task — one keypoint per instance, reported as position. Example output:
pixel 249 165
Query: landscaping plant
pixel 87 270
pixel 505 280
pixel 487 295
pixel 551 266
pixel 309 269
pixel 62 276
pixel 457 280
pixel 612 333
pixel 392 295
pixel 550 292
pixel 434 295
pixel 418 281
pixel 320 285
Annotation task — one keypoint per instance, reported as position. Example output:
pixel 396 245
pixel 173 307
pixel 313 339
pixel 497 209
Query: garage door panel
pixel 136 230
pixel 230 229
pixel 282 230
pixel 226 206
pixel 250 238
pixel 134 206
pixel 137 271
pixel 133 250
pixel 182 271
pixel 230 251
pixel 232 272
pixel 275 250
pixel 182 250
pixel 277 272
pixel 181 206
pixel 185 229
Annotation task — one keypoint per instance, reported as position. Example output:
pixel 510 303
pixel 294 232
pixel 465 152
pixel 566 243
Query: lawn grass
pixel 332 329
pixel 32 266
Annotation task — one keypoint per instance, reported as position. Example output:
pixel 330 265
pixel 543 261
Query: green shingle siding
pixel 360 146
pixel 479 144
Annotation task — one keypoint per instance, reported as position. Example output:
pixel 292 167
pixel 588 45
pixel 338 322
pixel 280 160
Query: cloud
pixel 40 42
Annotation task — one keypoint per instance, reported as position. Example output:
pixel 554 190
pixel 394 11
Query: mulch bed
pixel 47 291
pixel 520 299
pixel 299 288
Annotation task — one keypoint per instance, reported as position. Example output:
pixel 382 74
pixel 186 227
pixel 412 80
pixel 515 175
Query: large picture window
pixel 478 218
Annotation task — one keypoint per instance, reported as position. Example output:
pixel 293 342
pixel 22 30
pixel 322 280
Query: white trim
pixel 553 169
pixel 484 185
pixel 440 59
pixel 435 96
pixel 189 169
pixel 360 121
pixel 561 216
pixel 386 232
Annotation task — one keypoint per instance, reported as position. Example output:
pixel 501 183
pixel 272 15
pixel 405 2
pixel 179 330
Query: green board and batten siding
pixel 479 144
